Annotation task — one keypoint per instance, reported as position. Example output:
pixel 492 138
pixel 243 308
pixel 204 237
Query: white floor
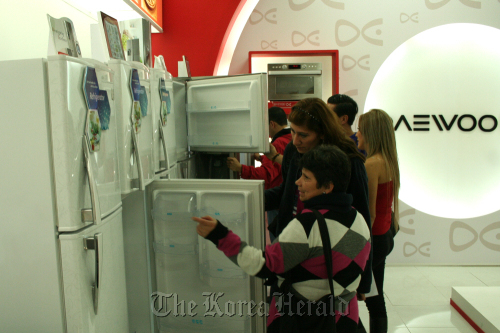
pixel 418 297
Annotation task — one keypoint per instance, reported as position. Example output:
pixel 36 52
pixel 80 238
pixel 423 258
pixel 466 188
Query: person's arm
pixel 268 171
pixel 273 195
pixel 274 155
pixel 252 260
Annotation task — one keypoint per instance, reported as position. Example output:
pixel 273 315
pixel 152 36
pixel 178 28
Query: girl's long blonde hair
pixel 377 129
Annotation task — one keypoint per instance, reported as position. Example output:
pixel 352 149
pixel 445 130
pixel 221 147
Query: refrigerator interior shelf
pixel 221 270
pixel 219 106
pixel 173 248
pixel 187 324
pixel 220 140
pixel 224 218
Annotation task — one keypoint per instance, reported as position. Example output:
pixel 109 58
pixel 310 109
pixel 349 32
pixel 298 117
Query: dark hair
pixel 316 116
pixel 277 115
pixel 329 164
pixel 344 105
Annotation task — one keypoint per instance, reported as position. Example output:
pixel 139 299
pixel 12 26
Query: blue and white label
pixel 104 109
pixel 135 89
pixel 166 104
pixel 143 99
pixel 92 98
pixel 91 88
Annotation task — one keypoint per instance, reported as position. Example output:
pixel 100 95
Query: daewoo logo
pixel 466 122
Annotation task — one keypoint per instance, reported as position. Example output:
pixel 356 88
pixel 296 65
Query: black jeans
pixel 382 246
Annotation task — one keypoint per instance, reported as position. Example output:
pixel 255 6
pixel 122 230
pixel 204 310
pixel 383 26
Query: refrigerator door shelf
pixel 79 278
pixel 68 117
pixel 128 165
pixel 240 323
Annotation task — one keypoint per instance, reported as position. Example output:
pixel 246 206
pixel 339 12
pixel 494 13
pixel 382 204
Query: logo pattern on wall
pixel 300 6
pixel 403 17
pixel 269 16
pixel 436 5
pixel 265 44
pixel 456 247
pixel 362 62
pixel 299 38
pixel 423 249
pixel 344 23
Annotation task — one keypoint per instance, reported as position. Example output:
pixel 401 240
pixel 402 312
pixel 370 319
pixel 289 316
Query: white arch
pixel 232 36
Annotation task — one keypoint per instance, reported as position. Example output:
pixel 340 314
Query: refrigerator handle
pixel 93 214
pixel 164 164
pixel 138 160
pixel 95 243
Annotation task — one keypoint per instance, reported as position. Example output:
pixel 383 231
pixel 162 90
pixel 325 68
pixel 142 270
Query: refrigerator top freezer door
pixel 228 114
pixel 132 157
pixel 68 118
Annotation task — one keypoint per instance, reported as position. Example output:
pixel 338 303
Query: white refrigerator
pixel 135 126
pixel 61 246
pixel 164 255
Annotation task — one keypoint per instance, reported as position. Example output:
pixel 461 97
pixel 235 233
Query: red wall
pixel 195 29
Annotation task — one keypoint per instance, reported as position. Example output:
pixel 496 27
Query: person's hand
pixel 272 152
pixel 205 225
pixel 361 297
pixel 256 156
pixel 233 164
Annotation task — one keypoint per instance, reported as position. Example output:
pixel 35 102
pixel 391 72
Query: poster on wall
pixel 111 30
pixel 151 8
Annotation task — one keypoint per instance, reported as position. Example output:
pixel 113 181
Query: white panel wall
pixel 366 33
pixel 25 28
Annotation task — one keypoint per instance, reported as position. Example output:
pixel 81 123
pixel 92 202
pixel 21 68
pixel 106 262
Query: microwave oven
pixel 293 82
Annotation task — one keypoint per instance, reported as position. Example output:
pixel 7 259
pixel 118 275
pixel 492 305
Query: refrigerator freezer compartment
pixel 187 324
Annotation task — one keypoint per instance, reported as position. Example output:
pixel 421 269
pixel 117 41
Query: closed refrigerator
pixel 61 252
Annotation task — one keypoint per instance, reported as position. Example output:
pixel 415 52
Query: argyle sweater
pixel 298 250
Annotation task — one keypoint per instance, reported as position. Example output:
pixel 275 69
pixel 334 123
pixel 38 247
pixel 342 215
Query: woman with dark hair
pixel 376 136
pixel 297 255
pixel 313 124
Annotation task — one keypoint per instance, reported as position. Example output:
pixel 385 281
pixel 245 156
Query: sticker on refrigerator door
pixel 165 102
pixel 143 98
pixel 104 109
pixel 94 130
pixel 135 88
pixel 92 98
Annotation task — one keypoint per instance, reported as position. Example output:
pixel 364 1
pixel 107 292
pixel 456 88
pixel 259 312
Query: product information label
pixel 143 98
pixel 92 98
pixel 135 88
pixel 165 102
pixel 104 109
